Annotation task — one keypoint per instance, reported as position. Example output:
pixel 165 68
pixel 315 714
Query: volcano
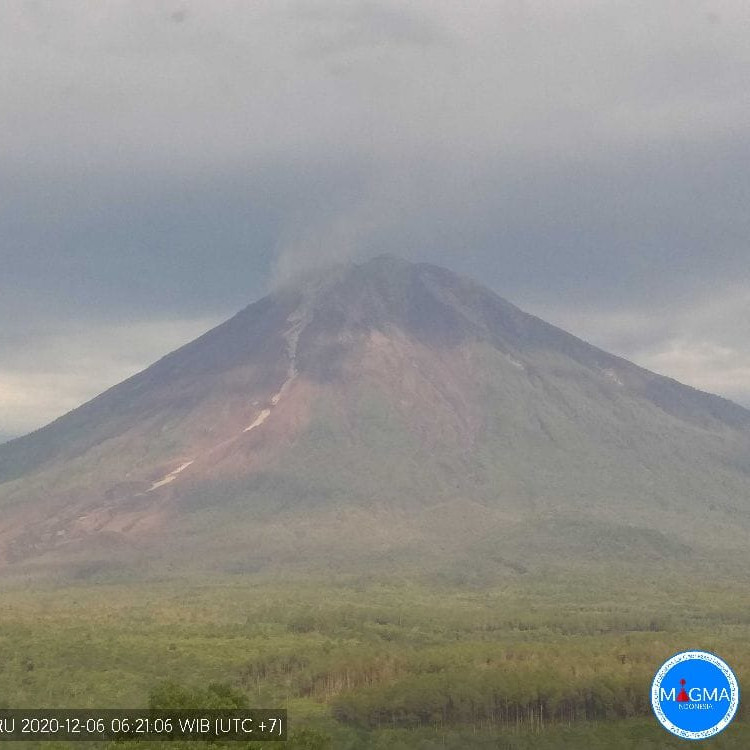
pixel 378 415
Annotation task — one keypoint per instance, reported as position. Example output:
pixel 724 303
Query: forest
pixel 545 662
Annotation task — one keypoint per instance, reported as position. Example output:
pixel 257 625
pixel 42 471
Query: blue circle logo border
pixel 734 698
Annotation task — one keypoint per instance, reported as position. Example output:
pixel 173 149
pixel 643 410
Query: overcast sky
pixel 162 164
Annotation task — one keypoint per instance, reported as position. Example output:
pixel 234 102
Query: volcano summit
pixel 383 414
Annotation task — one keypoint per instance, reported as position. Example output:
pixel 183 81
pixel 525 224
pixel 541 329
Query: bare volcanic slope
pixel 382 413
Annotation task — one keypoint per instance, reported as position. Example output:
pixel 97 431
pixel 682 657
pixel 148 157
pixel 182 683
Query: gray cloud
pixel 172 160
pixel 56 370
pixel 340 30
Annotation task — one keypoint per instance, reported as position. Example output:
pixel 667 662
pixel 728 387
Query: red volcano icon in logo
pixel 683 696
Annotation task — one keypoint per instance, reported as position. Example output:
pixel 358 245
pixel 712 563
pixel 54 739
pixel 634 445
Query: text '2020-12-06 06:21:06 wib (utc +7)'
pixel 114 724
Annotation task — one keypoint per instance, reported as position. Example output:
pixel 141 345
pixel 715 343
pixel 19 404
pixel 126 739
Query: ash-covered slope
pixel 383 411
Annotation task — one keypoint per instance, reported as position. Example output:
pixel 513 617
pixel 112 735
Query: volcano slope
pixel 383 415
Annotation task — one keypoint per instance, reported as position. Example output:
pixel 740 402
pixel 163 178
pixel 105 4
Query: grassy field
pixel 362 663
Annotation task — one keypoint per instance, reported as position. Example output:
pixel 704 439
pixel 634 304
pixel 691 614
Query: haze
pixel 163 163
